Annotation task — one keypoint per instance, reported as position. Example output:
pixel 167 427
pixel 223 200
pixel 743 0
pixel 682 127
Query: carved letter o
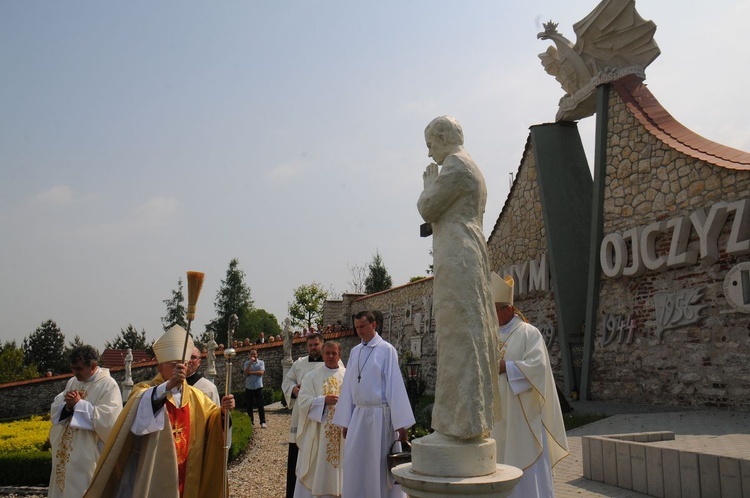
pixel 613 255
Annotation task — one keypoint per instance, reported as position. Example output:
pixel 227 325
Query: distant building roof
pixel 113 358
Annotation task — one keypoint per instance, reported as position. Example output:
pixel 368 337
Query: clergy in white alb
pixel 319 464
pixel 290 386
pixel 82 417
pixel 374 410
pixel 530 434
pixel 198 381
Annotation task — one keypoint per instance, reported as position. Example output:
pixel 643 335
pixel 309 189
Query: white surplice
pixel 78 439
pixel 294 377
pixel 208 388
pixel 530 434
pixel 320 457
pixel 373 403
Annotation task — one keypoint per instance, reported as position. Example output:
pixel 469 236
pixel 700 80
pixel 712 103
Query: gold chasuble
pixel 183 460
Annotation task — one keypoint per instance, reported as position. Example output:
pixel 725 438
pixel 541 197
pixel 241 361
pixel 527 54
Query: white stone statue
pixel 453 202
pixel 211 346
pixel 128 367
pixel 288 336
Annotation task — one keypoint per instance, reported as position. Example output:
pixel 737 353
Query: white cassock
pixel 78 439
pixel 530 434
pixel 293 377
pixel 208 388
pixel 372 405
pixel 321 452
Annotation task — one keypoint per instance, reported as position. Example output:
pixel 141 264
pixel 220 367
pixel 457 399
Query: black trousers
pixel 291 473
pixel 255 400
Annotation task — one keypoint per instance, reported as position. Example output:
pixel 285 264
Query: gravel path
pixel 260 472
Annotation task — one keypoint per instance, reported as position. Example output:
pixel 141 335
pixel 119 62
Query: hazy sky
pixel 139 140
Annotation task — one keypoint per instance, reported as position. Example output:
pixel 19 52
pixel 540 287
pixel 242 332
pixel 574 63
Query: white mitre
pixel 502 290
pixel 171 346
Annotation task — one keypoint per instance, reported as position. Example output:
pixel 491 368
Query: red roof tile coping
pixel 657 120
pixel 113 358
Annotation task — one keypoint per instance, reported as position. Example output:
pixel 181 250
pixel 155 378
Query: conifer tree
pixel 233 297
pixel 175 309
pixel 45 348
pixel 378 279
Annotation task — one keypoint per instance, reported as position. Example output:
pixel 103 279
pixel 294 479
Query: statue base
pixel 440 455
pixel 127 388
pixel 286 365
pixel 445 466
pixel 497 485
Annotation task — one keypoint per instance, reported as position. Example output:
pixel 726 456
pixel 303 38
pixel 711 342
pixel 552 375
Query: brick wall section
pixel 705 364
pixel 20 399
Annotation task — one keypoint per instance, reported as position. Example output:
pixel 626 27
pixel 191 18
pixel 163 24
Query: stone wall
pixel 20 399
pixel 699 364
pixel 407 323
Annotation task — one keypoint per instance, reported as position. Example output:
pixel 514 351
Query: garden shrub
pixel 25 469
pixel 242 431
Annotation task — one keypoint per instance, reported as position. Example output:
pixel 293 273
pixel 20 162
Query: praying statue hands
pixel 430 174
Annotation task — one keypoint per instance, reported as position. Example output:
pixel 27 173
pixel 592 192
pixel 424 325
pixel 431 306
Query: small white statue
pixel 128 367
pixel 211 355
pixel 288 336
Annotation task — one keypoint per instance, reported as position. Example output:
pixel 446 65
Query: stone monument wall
pixel 674 357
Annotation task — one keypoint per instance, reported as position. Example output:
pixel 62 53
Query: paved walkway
pixel 707 430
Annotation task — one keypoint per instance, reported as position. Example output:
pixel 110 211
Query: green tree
pixel 233 297
pixel 76 342
pixel 257 321
pixel 378 279
pixel 129 338
pixel 11 364
pixel 175 309
pixel 45 348
pixel 307 307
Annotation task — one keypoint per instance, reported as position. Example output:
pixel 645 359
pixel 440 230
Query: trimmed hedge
pixel 25 469
pixel 242 431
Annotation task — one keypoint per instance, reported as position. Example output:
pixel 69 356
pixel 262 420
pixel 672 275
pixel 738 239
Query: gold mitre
pixel 171 346
pixel 502 290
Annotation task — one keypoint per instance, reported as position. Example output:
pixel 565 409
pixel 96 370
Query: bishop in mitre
pixel 168 441
pixel 530 434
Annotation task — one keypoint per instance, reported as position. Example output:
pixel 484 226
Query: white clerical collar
pixel 93 374
pixel 504 329
pixel 372 342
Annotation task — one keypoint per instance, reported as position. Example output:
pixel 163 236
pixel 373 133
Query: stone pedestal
pixel 497 485
pixel 286 364
pixel 127 388
pixel 444 466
